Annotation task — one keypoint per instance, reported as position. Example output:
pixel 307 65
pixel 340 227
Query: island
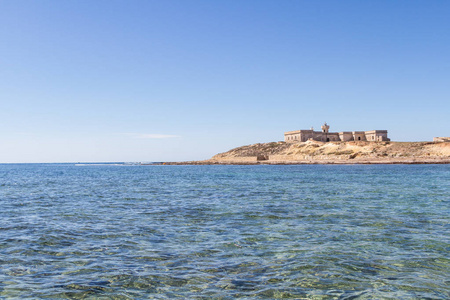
pixel 325 147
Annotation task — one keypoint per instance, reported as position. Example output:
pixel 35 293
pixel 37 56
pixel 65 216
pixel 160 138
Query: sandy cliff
pixel 337 152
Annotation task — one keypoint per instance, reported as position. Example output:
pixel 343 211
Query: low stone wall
pixel 242 159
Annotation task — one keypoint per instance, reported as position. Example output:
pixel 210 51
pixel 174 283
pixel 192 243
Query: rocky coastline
pixel 315 152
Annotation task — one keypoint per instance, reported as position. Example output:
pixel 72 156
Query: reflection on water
pixel 224 232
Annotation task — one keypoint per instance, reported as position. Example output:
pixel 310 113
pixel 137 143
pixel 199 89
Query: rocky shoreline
pixel 314 152
pixel 385 162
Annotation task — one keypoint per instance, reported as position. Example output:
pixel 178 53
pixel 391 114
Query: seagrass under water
pixel 223 232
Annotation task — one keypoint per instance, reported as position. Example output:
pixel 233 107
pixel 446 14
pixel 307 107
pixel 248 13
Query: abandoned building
pixel 326 136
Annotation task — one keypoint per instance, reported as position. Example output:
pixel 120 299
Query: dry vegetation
pixel 341 152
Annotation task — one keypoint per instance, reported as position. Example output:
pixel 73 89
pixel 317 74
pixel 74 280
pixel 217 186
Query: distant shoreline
pixel 331 153
pixel 307 163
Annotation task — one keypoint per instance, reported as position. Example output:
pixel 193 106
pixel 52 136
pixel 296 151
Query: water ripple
pixel 224 232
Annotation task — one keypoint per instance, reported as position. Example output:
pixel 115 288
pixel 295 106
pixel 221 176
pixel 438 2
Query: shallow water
pixel 224 232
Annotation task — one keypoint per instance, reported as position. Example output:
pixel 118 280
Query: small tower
pixel 325 127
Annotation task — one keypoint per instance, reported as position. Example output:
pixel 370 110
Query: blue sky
pixel 184 80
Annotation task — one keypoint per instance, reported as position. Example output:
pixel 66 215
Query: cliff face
pixel 338 152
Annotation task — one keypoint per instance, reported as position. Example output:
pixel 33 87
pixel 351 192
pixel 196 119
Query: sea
pixel 119 231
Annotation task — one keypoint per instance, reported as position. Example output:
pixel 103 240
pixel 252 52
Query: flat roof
pixel 342 132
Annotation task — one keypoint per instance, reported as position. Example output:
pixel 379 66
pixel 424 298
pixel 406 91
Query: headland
pixel 325 147
pixel 317 152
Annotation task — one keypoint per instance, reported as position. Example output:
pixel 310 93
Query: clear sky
pixel 183 80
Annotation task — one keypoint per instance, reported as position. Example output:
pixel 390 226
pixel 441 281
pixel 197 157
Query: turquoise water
pixel 224 232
